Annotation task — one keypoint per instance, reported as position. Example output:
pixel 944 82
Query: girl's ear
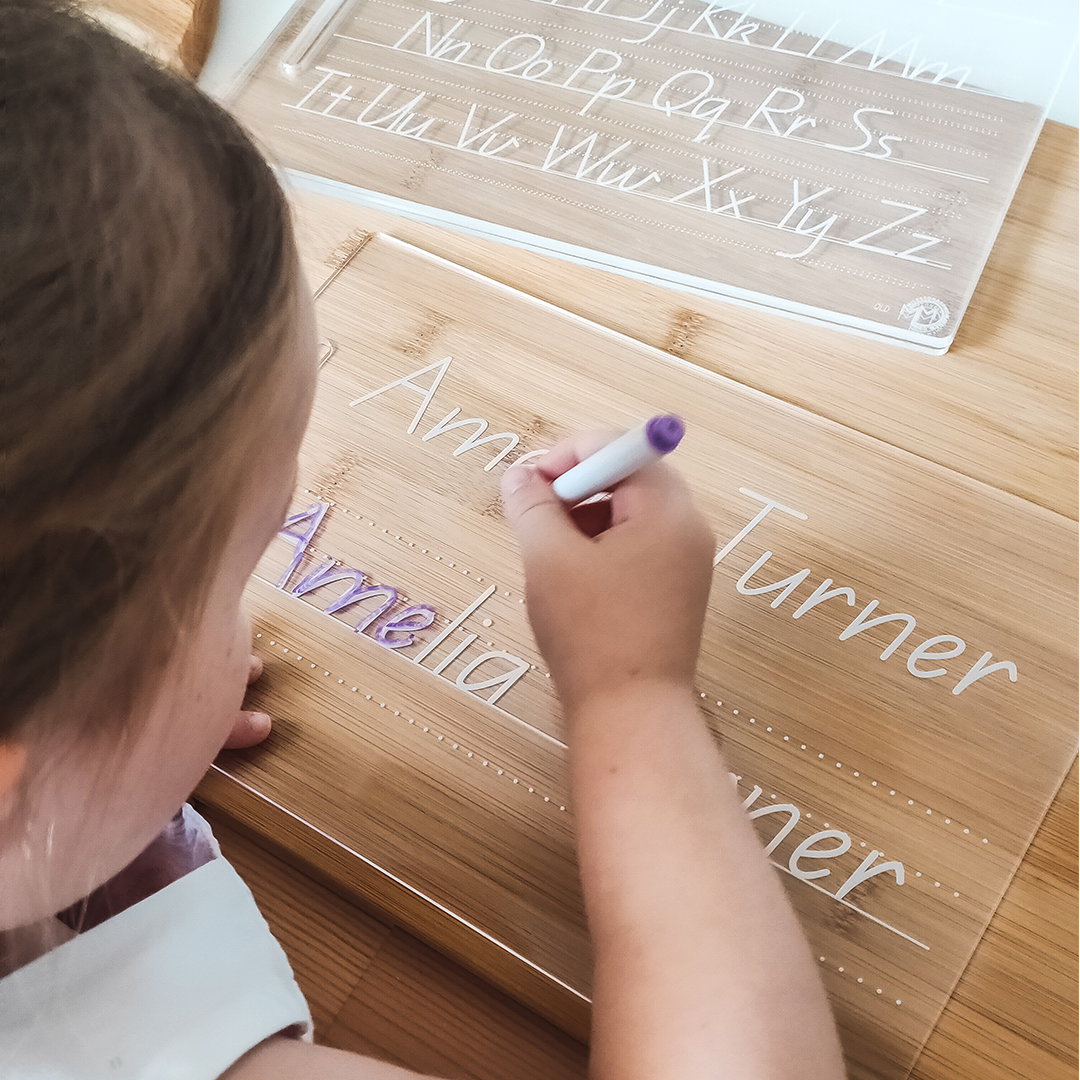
pixel 12 763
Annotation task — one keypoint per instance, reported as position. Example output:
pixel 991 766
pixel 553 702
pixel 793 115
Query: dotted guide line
pixel 859 981
pixel 762 729
pixel 634 219
pixel 418 136
pixel 448 742
pixel 862 843
pixel 482 762
pixel 592 207
pixel 531 789
pixel 575 115
pixel 677 151
pixel 835 173
pixel 451 746
pixel 447 561
pixel 768 73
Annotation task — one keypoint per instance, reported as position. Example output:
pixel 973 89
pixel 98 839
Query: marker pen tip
pixel 664 433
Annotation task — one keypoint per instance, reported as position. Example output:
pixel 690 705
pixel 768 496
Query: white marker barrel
pixel 619 459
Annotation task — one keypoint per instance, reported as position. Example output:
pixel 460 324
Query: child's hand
pixel 250 728
pixel 623 601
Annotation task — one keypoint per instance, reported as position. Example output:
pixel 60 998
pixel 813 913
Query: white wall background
pixel 1016 48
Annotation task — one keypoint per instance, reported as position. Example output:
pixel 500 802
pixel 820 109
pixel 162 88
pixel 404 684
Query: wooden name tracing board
pixel 689 144
pixel 888 664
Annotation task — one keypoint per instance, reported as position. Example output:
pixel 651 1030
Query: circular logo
pixel 926 315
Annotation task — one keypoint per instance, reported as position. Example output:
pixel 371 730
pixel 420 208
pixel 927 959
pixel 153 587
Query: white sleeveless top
pixel 176 987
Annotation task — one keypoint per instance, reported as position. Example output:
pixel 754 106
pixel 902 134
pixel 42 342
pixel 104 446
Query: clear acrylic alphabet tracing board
pixel 839 165
pixel 889 661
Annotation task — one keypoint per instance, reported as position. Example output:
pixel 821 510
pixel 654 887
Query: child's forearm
pixel 701 967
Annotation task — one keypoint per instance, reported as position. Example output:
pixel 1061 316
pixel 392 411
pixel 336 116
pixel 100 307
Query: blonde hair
pixel 147 289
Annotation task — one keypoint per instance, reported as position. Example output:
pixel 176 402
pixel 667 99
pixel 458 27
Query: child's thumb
pixel 536 514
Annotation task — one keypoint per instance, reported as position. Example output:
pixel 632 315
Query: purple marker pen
pixel 620 459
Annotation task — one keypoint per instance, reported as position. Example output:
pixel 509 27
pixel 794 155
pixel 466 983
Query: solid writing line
pixel 663 112
pixel 779 866
pixel 734 40
pixel 513 162
pixel 839 900
pixel 442 678
pixel 405 885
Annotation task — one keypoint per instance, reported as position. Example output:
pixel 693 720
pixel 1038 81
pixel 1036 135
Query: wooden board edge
pixel 994 911
pixel 672 360
pixel 363 882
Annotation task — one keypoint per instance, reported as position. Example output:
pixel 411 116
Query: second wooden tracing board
pixel 693 144
pixel 888 660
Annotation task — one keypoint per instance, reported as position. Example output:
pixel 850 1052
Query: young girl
pixel 158 371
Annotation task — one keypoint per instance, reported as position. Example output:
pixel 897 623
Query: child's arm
pixel 701 967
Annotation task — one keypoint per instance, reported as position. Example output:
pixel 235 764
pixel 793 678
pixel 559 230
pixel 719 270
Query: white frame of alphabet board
pixel 892 681
pixel 860 186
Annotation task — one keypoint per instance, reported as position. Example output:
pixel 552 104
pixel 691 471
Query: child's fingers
pixel 255 668
pixel 656 489
pixel 249 729
pixel 538 517
pixel 566 454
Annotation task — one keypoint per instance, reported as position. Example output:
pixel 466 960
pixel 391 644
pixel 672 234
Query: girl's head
pixel 157 370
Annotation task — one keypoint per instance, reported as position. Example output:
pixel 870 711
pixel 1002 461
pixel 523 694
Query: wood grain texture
pixel 1000 407
pixel 919 773
pixel 1014 1014
pixel 330 942
pixel 521 890
pixel 458 1026
pixel 871 201
pixel 377 991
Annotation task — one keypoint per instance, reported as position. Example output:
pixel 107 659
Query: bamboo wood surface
pixel 872 203
pixel 380 992
pixel 876 517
